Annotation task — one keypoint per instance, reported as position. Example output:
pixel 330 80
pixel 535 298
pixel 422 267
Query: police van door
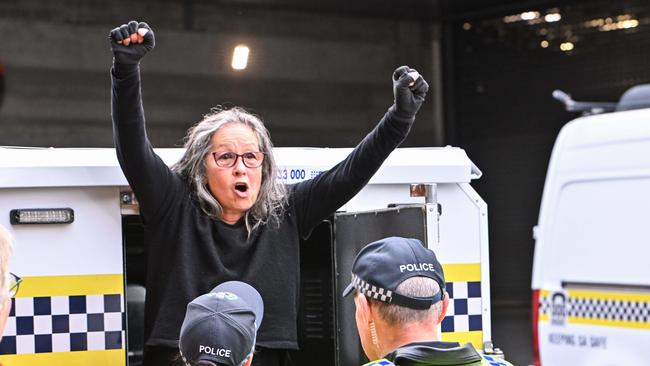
pixel 352 231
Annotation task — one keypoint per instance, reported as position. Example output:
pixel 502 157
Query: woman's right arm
pixel 147 174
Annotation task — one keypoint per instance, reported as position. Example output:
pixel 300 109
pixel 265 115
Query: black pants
pixel 167 356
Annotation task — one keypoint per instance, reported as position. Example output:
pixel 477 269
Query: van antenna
pixel 586 108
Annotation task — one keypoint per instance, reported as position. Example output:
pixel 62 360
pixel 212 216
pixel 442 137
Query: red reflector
pixel 535 327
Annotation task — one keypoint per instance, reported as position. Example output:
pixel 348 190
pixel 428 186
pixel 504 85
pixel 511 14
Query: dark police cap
pixel 382 265
pixel 221 325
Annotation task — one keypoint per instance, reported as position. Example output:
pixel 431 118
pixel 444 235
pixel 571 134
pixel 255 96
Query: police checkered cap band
pixel 391 297
pixel 371 291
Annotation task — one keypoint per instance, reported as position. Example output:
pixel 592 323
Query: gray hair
pixel 418 286
pixel 272 198
pixel 6 250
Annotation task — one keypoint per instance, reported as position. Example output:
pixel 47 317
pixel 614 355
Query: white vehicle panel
pixel 600 232
pixel 92 244
pixel 593 345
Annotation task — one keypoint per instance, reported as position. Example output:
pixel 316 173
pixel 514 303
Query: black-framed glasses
pixel 228 159
pixel 14 284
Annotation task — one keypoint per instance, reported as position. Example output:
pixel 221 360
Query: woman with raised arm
pixel 220 214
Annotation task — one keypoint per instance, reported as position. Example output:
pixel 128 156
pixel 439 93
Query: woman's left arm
pixel 317 198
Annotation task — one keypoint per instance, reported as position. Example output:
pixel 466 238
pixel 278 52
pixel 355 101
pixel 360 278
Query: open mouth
pixel 241 187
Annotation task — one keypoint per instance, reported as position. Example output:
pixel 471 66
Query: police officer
pixel 400 299
pixel 220 327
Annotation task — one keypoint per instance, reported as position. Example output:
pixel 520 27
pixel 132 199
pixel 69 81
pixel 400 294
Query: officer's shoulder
pixel 382 362
pixel 493 361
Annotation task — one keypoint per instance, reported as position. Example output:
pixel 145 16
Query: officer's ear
pixel 249 360
pixel 363 307
pixel 445 305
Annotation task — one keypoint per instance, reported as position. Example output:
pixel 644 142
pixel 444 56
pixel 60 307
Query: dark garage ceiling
pixel 405 9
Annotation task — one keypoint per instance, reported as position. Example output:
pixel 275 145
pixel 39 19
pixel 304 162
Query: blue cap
pixel 382 265
pixel 221 325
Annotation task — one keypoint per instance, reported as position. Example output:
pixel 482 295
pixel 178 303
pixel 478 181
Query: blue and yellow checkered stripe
pixel 464 320
pixel 71 320
pixel 621 309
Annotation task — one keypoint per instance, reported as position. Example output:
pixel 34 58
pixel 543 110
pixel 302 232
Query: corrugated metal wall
pixel 317 79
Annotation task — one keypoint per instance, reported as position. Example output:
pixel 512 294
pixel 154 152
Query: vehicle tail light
pixel 535 327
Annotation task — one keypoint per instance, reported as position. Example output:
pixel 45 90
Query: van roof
pixel 601 142
pixel 606 128
pixel 66 167
pixel 597 146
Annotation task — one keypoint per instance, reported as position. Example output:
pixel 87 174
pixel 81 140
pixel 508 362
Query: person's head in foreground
pixel 220 327
pixel 8 282
pixel 400 295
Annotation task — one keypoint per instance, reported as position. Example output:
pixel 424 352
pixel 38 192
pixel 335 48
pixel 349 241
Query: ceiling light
pixel 552 17
pixel 240 57
pixel 566 46
pixel 529 15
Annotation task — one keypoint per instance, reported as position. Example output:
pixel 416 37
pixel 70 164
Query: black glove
pixel 409 94
pixel 133 52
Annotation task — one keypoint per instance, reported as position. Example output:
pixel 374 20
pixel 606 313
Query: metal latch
pixel 129 203
pixel 429 192
pixel 433 212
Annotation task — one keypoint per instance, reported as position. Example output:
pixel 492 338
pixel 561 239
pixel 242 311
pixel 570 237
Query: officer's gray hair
pixel 6 249
pixel 271 200
pixel 418 286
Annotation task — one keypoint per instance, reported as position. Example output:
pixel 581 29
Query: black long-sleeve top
pixel 189 253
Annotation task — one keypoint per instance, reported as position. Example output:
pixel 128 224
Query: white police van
pixel 80 251
pixel 591 272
